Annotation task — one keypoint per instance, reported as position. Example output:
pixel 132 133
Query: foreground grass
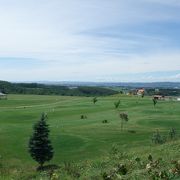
pixel 87 141
pixel 161 162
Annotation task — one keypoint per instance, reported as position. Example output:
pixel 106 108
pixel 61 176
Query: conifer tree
pixel 40 147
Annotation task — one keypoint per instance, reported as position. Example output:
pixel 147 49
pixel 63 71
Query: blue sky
pixel 82 40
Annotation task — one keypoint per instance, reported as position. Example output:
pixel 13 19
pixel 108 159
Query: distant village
pixel 157 95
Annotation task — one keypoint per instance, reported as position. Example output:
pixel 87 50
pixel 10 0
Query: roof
pixel 158 96
pixel 141 90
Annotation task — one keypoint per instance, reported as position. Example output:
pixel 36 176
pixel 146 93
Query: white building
pixel 3 96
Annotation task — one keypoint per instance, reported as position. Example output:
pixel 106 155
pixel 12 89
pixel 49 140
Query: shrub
pixel 157 138
pixel 172 133
pixel 132 131
pixel 83 117
pixel 72 170
pixel 116 104
pixel 121 169
pixel 124 118
pixel 154 101
pixel 105 121
pixel 176 169
pixel 94 100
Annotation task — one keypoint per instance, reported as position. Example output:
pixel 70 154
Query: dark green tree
pixel 94 100
pixel 116 104
pixel 40 147
pixel 142 95
pixel 154 101
pixel 124 118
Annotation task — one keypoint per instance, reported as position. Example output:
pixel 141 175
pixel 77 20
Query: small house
pixel 140 92
pixel 159 97
pixel 3 96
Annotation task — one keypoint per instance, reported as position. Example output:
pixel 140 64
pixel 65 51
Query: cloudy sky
pixel 90 40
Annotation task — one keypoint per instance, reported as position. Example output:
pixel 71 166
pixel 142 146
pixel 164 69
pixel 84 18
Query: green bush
pixel 157 138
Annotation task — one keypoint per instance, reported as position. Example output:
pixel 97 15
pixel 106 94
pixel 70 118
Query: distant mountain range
pixel 171 85
pixel 174 85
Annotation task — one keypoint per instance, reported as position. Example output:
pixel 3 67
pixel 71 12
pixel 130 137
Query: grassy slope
pixel 75 139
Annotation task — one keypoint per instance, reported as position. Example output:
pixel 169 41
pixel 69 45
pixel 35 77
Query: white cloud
pixel 51 31
pixel 103 69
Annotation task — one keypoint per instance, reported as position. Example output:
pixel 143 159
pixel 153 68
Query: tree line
pixel 43 89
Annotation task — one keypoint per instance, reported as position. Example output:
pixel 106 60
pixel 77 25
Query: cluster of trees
pixel 163 92
pixel 42 89
pixel 123 116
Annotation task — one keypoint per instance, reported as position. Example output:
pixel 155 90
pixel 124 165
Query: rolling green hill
pixel 83 140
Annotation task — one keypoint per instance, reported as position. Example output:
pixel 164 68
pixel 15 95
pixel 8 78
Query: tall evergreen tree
pixel 40 147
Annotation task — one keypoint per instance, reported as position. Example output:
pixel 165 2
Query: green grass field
pixel 75 139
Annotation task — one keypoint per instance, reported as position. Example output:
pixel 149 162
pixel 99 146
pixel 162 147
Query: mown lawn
pixel 75 139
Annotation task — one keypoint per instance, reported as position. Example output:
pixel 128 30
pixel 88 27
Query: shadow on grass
pixel 50 167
